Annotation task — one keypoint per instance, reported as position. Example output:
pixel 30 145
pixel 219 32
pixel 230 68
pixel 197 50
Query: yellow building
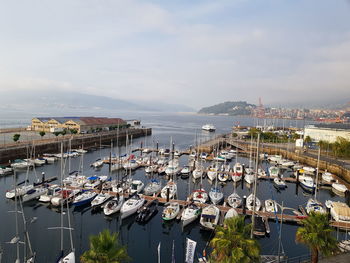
pixel 80 124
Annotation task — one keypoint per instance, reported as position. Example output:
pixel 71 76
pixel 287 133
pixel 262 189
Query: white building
pixel 327 132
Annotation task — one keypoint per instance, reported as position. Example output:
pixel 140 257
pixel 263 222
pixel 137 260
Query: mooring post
pixel 244 204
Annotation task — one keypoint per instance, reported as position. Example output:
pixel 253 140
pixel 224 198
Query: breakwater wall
pixel 22 150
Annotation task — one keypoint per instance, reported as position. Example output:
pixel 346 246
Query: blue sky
pixel 193 52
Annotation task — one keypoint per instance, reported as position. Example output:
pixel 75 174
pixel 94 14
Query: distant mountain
pixel 55 102
pixel 229 108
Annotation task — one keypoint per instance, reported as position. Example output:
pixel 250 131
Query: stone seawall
pixel 20 151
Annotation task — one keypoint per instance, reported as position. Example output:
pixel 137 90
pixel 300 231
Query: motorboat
pixel 259 226
pixel 307 182
pixel 114 205
pixel 279 183
pixel 190 214
pixel 209 217
pixel 75 180
pixel 200 195
pixel 84 198
pixel 226 155
pixel 52 191
pixel 274 171
pixel 34 193
pixel 250 203
pixel 5 170
pixel 172 190
pixel 234 200
pixel 216 195
pixel 309 170
pixel 100 199
pixel 208 127
pixel 154 186
pixel 274 158
pixel 21 164
pixel 20 190
pixel 237 171
pixel 231 213
pixel 170 211
pixel 147 212
pixel 339 211
pixel 313 205
pixel 327 177
pixel 98 163
pixel 95 181
pixel 70 258
pixel 131 206
pixel 271 206
pixel 339 187
pixel 136 186
pixel 173 168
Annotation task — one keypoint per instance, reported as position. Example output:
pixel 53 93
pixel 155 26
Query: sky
pixel 196 53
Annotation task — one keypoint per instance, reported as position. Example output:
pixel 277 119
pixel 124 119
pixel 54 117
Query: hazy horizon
pixel 193 53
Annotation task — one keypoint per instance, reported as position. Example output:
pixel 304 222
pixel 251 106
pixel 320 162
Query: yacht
pixel 209 217
pixel 84 198
pixel 131 206
pixel 208 127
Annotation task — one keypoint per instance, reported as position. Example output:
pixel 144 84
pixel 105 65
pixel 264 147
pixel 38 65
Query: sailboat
pixel 113 205
pixel 152 187
pixel 100 199
pixel 131 206
pixel 171 185
pixel 190 214
pixel 170 211
pixel 70 257
pixel 313 205
pixel 234 200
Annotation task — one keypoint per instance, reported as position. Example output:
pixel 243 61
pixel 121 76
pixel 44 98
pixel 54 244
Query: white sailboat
pixel 114 205
pixel 100 199
pixel 171 185
pixel 131 206
pixel 170 211
pixel 271 206
pixel 250 203
pixel 190 214
pixel 234 200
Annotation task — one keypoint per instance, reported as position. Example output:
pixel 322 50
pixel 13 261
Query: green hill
pixel 229 108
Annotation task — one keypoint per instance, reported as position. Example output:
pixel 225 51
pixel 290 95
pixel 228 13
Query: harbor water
pixel 142 240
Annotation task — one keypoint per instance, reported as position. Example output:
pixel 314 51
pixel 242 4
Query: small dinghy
pixel 171 210
pixel 339 187
pixel 327 177
pixel 113 205
pixel 209 217
pixel 190 214
pixel 234 200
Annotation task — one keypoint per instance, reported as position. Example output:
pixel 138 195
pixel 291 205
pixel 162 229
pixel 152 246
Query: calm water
pixel 142 240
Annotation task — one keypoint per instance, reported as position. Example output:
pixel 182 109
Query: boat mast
pixel 255 184
pixel 62 197
pixel 16 218
pixel 317 168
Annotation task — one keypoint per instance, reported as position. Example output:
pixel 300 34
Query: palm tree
pixel 105 248
pixel 232 243
pixel 317 235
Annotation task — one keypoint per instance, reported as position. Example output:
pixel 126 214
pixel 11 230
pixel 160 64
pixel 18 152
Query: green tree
pixel 16 137
pixel 42 134
pixel 232 243
pixel 105 248
pixel 317 235
pixel 64 132
pixel 73 131
pixel 57 133
pixel 307 139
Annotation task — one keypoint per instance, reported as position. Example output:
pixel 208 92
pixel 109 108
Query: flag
pixel 190 249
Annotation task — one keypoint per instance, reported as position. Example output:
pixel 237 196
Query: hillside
pixel 229 108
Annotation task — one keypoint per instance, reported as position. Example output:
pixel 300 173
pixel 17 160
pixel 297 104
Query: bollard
pixel 42 177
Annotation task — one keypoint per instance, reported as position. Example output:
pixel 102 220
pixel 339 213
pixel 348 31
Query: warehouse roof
pixel 85 120
pixel 337 126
